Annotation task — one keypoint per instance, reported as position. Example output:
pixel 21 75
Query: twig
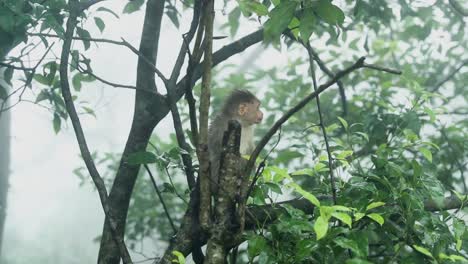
pixel 449 76
pixel 158 192
pixel 85 153
pixel 115 42
pixel 262 166
pixel 458 7
pixel 116 85
pixel 325 69
pixel 380 68
pixel 28 82
pixel 322 123
pixel 357 65
pixel 170 87
pixel 6 65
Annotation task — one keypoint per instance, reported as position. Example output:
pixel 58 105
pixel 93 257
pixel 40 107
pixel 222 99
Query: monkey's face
pixel 250 112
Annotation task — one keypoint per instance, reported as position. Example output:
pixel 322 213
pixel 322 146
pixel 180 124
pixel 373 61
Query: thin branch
pixel 116 85
pixel 449 76
pixel 380 68
pixel 6 65
pixel 172 101
pixel 458 7
pixel 325 69
pixel 158 192
pixel 270 212
pixel 357 65
pixel 27 83
pixel 322 123
pixel 85 153
pixel 123 43
pixel 185 44
pixel 221 55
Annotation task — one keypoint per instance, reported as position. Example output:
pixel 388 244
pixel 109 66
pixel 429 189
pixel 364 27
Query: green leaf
pixel 56 123
pixel 330 13
pixel 133 6
pixel 89 111
pixel 76 81
pixel 143 157
pixel 173 15
pixel 377 218
pixel 257 244
pixel 358 216
pixel 321 227
pixel 8 75
pixel 343 217
pixel 426 153
pixel 423 251
pixel 99 23
pixel 307 24
pixel 103 9
pixel 347 243
pixel 281 15
pixel 179 257
pixel 83 33
pixel 43 95
pixel 3 92
pixel 308 172
pixel 233 20
pixel 256 7
pixel 274 187
pixel 41 79
pixel 306 194
pixel 343 122
pixel 374 205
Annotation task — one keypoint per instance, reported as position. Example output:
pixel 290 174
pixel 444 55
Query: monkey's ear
pixel 242 109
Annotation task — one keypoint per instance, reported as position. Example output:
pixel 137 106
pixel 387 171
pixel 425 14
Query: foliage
pixel 400 142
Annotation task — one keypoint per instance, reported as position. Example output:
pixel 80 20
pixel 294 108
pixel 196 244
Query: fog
pixel 49 216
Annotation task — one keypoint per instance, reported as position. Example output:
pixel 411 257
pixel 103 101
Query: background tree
pixel 374 160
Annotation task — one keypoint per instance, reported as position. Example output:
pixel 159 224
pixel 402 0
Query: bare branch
pixel 221 55
pixel 458 7
pixel 449 76
pixel 322 123
pixel 115 42
pixel 6 65
pixel 158 192
pixel 85 153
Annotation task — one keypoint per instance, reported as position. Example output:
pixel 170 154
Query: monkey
pixel 244 107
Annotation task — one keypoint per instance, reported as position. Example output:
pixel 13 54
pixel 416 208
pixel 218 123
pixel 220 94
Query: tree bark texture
pixel 149 110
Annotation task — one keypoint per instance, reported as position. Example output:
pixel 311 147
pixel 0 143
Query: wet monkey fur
pixel 244 107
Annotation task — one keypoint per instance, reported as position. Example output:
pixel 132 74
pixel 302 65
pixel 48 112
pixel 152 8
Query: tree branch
pixel 202 148
pixel 221 55
pixel 85 153
pixel 322 123
pixel 123 43
pixel 267 214
pixel 358 64
pixel 458 7
pixel 158 192
pixel 449 76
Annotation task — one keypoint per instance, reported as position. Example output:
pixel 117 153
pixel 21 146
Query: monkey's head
pixel 244 106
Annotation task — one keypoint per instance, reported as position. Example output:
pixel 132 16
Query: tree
pixel 370 165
